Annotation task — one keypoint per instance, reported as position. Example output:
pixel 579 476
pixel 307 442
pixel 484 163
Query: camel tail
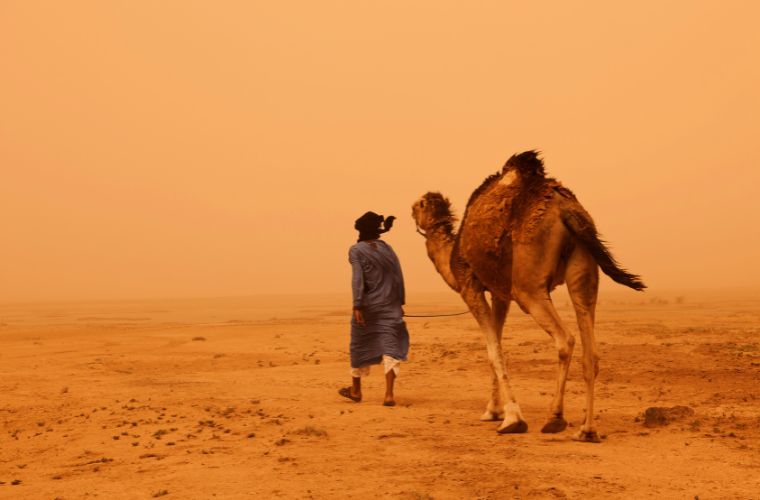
pixel 579 222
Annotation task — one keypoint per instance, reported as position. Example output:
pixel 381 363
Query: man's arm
pixel 357 279
pixel 357 286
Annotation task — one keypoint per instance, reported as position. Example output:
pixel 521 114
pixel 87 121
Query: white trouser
pixel 389 363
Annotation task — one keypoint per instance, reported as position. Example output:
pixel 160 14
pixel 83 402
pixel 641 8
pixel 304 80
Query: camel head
pixel 433 211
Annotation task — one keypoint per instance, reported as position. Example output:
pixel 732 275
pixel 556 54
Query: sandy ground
pixel 236 398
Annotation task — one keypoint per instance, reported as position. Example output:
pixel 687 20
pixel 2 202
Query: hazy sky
pixel 200 148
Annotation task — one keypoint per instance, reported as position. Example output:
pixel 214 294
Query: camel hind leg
pixel 539 305
pixel 536 263
pixel 582 277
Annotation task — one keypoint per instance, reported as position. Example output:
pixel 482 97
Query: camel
pixel 522 234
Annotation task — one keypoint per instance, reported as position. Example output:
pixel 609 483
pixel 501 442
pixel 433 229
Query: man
pixel 378 331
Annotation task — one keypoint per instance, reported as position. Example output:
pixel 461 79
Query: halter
pixel 431 228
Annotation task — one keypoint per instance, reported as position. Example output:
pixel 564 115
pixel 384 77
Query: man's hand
pixel 358 317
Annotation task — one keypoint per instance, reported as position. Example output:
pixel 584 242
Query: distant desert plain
pixel 237 398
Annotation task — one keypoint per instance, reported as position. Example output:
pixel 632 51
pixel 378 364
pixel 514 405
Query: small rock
pixel 657 416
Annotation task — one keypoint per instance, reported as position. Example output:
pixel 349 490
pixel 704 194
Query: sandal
pixel 346 393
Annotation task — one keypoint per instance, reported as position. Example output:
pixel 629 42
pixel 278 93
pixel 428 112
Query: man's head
pixel 369 224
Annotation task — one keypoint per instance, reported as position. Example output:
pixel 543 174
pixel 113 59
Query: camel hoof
pixel 514 428
pixel 587 437
pixel 490 416
pixel 557 424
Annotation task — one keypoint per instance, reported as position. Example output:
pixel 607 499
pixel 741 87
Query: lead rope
pixel 433 315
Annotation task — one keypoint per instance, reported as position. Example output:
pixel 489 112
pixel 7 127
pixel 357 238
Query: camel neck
pixel 440 244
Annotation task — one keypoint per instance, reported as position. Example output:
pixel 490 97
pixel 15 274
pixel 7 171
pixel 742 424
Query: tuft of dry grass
pixel 416 495
pixel 310 430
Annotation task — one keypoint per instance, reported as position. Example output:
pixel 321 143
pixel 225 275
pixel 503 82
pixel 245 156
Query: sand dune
pixel 236 398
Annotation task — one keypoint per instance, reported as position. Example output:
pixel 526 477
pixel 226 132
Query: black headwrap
pixel 369 228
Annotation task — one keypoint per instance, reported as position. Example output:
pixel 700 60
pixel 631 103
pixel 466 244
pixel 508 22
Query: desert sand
pixel 237 398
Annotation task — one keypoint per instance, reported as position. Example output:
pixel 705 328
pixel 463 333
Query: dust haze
pixel 191 149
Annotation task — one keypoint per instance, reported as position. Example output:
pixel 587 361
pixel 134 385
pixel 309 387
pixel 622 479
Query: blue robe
pixel 378 289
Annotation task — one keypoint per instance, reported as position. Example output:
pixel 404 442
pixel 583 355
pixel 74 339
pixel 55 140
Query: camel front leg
pixel 513 421
pixel 494 410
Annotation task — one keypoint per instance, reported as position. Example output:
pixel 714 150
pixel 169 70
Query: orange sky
pixel 198 148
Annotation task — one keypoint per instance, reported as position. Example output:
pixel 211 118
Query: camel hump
pixel 563 191
pixel 528 164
